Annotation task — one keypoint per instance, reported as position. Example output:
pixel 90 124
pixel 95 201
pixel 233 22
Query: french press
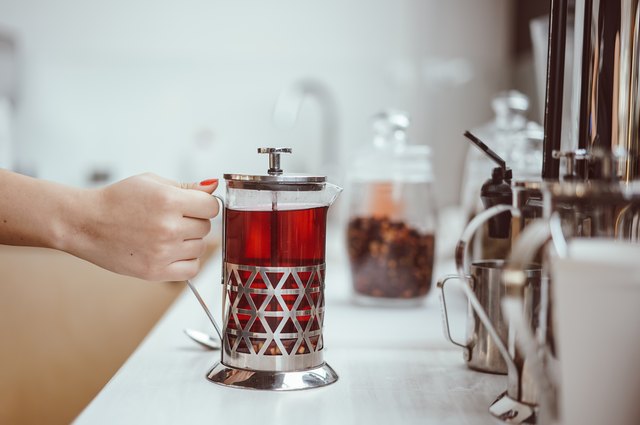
pixel 273 278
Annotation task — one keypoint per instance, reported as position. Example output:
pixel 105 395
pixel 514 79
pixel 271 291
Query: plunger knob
pixel 274 159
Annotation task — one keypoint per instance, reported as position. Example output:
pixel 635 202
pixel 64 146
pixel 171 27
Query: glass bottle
pixel 514 138
pixel 392 217
pixel 517 141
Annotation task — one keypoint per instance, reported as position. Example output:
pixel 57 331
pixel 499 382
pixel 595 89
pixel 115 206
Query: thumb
pixel 207 186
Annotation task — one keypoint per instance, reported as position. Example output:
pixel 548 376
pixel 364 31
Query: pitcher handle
pixel 445 315
pixel 472 228
pixel 224 291
pixel 461 264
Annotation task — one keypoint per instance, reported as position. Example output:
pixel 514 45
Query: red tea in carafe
pixel 280 238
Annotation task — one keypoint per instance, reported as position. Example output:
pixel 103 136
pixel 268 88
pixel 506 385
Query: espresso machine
pixel 589 184
pixel 606 96
pixel 602 155
pixel 588 188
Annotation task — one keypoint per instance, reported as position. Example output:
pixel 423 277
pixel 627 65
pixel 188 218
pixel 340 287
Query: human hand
pixel 147 227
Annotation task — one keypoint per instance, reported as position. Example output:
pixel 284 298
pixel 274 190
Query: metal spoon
pixel 203 339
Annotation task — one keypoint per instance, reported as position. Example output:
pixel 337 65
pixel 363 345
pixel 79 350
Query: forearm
pixel 143 226
pixel 39 213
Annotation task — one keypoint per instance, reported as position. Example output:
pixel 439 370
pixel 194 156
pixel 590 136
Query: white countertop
pixel 394 367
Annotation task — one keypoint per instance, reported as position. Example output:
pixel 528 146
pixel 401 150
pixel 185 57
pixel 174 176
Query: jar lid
pixel 391 157
pixel 275 178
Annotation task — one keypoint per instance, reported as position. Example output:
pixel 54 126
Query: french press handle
pixel 224 292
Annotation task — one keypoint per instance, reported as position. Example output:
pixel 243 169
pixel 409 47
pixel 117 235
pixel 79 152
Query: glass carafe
pixel 392 217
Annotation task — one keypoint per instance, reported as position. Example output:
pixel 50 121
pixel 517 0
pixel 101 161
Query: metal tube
pixel 555 87
pixel 274 163
pixel 586 70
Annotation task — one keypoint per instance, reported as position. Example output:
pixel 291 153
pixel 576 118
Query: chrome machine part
pixel 607 92
pixel 610 77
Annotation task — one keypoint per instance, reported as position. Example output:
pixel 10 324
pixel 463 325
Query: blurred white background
pixel 186 89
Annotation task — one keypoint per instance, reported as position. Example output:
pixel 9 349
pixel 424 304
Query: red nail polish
pixel 208 182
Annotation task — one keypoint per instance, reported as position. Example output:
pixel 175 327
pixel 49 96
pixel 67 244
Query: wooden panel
pixel 66 326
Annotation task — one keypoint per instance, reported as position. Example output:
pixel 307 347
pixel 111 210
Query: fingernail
pixel 208 182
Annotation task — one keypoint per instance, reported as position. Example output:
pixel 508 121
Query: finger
pixel 207 186
pixel 190 250
pixel 182 270
pixel 194 228
pixel 198 204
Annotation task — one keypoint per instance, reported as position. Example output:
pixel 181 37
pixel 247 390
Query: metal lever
pixel 486 149
pixel 274 159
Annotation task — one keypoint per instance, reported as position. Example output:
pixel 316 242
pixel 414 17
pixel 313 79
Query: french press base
pixel 271 380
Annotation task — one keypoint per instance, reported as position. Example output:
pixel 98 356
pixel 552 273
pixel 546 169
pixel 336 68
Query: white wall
pixel 131 85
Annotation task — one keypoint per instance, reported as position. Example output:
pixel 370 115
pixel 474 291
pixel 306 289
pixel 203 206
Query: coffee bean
pixel 388 258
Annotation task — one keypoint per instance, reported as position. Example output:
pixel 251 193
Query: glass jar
pixel 392 217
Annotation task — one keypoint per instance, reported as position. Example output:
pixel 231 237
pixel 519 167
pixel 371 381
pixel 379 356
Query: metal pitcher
pixel 486 347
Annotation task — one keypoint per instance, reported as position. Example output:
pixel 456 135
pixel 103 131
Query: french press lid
pixel 275 178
